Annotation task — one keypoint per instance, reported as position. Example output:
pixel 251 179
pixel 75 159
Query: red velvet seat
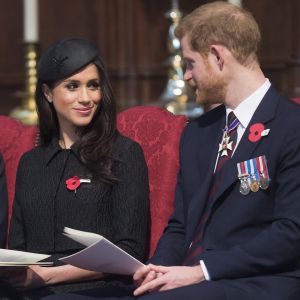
pixel 15 139
pixel 296 100
pixel 155 129
pixel 158 132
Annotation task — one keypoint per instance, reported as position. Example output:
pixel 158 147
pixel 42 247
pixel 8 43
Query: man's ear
pixel 218 56
pixel 47 92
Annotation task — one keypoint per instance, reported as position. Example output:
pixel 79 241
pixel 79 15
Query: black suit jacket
pixel 3 204
pixel 245 236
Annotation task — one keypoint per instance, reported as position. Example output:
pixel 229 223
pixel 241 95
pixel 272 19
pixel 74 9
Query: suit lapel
pixel 245 150
pixel 207 156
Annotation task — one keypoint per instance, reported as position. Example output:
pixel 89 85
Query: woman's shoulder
pixel 124 143
pixel 34 155
pixel 123 146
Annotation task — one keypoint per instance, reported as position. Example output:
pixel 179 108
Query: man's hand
pixel 160 278
pixel 144 275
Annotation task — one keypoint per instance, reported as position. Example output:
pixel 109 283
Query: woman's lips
pixel 84 110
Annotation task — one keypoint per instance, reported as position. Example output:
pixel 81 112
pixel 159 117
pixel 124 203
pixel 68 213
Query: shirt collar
pixel 53 148
pixel 245 110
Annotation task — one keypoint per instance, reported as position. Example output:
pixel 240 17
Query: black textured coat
pixel 43 205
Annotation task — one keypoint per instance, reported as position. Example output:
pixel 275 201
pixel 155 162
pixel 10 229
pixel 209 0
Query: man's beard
pixel 211 90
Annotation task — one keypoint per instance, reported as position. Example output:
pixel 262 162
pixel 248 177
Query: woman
pixel 79 143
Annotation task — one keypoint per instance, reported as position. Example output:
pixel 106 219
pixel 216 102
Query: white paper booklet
pixel 101 255
pixel 21 258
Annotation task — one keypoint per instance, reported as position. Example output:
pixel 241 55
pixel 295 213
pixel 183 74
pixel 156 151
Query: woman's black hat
pixel 65 58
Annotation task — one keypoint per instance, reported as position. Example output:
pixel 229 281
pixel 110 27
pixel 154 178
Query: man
pixel 235 231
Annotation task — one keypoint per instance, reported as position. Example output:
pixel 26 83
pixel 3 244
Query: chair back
pixel 158 132
pixel 296 100
pixel 15 139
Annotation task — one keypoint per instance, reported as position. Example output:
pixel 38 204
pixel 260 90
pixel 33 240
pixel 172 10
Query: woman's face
pixel 76 98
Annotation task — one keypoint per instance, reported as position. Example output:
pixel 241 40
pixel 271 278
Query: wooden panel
pixel 132 36
pixel 275 20
pixel 11 50
pixel 11 53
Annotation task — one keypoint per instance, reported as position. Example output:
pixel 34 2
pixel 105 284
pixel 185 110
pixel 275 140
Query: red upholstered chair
pixel 296 100
pixel 158 132
pixel 155 129
pixel 15 139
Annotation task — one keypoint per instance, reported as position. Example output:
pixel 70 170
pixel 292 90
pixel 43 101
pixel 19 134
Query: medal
pixel 264 179
pixel 244 178
pixel 254 177
pixel 244 187
pixel 263 182
pixel 225 145
pixel 254 185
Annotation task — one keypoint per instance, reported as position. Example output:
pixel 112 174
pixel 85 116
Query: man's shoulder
pixel 287 104
pixel 288 112
pixel 207 119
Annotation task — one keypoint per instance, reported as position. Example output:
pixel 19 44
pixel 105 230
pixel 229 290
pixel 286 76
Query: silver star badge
pixel 225 146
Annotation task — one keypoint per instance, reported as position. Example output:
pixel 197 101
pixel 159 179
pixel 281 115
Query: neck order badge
pixel 228 142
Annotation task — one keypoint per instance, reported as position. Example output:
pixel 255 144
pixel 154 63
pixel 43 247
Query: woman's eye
pixel 94 85
pixel 72 86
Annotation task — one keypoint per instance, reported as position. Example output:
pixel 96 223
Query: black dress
pixel 44 205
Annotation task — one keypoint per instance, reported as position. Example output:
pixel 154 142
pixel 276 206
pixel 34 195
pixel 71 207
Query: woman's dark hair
pixel 96 139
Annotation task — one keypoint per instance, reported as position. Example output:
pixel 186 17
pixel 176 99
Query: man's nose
pixel 187 75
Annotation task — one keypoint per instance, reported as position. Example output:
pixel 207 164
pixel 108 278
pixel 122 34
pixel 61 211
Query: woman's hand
pixel 30 277
pixel 33 277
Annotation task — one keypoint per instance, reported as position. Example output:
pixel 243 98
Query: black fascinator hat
pixel 65 58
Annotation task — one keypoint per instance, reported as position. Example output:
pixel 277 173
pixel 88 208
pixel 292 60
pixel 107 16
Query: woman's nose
pixel 84 95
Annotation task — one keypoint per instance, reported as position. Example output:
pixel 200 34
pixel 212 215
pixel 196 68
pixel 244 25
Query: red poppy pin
pixel 74 182
pixel 256 132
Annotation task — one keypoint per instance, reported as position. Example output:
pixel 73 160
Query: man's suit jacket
pixel 3 204
pixel 245 236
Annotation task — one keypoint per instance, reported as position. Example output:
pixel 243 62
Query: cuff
pixel 204 270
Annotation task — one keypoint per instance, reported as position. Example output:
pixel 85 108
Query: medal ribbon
pixel 261 162
pixel 232 125
pixel 241 169
pixel 254 170
pixel 248 170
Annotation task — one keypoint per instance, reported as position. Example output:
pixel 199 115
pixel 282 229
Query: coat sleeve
pixel 16 238
pixel 276 248
pixel 130 196
pixel 3 204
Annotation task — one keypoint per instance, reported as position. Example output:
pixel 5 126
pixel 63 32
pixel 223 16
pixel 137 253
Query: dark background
pixel 132 36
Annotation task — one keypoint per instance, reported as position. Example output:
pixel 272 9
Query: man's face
pixel 202 75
